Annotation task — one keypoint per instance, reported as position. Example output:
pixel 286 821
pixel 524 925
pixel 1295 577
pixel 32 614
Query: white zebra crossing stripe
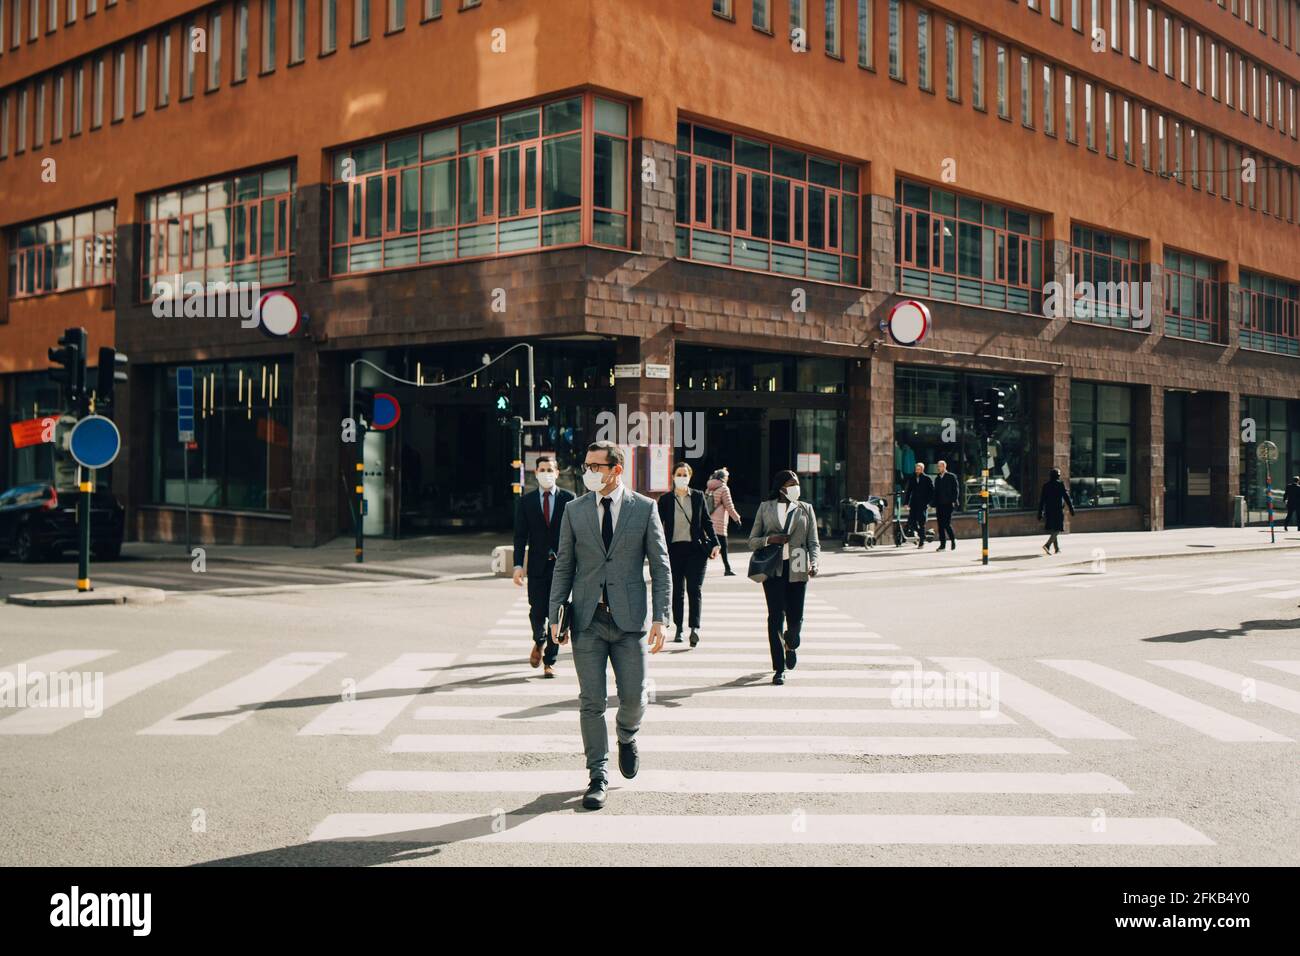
pixel 723 781
pixel 569 829
pixel 380 697
pixel 707 715
pixel 1185 583
pixel 226 706
pixel 729 744
pixel 1239 684
pixel 118 686
pixel 1288 667
pixel 704 655
pixel 1160 700
pixel 734 645
pixel 54 661
pixel 554 690
pixel 513 669
pixel 1283 595
pixel 1058 717
pixel 1248 586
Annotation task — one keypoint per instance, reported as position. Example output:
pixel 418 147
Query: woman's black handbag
pixel 766 561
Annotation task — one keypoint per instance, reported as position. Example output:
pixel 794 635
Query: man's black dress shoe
pixel 629 761
pixel 778 678
pixel 594 798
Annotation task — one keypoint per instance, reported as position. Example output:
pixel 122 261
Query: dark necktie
pixel 607 523
pixel 546 508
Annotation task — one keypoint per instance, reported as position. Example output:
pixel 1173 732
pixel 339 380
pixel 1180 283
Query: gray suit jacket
pixel 805 546
pixel 581 564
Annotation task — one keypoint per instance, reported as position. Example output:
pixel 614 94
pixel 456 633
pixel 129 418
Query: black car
pixel 37 521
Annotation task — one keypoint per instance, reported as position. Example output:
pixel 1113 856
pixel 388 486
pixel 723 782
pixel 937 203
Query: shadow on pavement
pixel 1224 633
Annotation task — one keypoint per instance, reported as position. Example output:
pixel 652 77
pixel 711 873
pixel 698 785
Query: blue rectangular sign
pixel 185 404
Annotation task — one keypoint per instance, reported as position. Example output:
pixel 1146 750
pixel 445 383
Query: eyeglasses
pixel 590 466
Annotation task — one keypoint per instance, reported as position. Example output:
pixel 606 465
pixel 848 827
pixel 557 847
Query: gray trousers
pixel 626 650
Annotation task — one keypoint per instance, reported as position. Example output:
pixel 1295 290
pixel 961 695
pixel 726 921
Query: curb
pixel 103 596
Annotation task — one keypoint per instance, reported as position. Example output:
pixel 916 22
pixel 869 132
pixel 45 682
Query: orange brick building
pixel 738 190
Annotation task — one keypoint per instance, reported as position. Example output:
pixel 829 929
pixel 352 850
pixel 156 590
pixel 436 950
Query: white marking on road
pixel 704 715
pixel 734 645
pixel 727 781
pixel 226 706
pixel 1269 693
pixel 55 661
pixel 569 829
pixel 1288 667
pixel 381 697
pixel 1160 700
pixel 761 688
pixel 1058 717
pixel 118 686
pixel 1283 595
pixel 1187 583
pixel 1248 586
pixel 728 744
pixel 512 669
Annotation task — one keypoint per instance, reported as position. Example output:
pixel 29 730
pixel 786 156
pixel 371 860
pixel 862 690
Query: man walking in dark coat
pixel 947 495
pixel 918 493
pixel 1291 498
pixel 537 531
pixel 1052 502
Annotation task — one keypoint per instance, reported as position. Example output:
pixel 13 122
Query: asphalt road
pixel 1143 713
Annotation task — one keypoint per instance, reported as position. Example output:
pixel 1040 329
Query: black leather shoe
pixel 790 657
pixel 695 637
pixel 729 574
pixel 941 548
pixel 677 638
pixel 594 798
pixel 629 761
pixel 778 678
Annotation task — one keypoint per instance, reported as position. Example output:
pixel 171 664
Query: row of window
pixel 67 252
pixel 42 12
pixel 103 75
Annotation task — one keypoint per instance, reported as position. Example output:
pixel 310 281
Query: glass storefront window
pixel 1101 445
pixel 725 370
pixel 243 428
pixel 1278 421
pixel 933 420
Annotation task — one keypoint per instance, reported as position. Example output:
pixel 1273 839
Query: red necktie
pixel 546 508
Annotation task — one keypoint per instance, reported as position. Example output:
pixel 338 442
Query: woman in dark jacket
pixel 1052 502
pixel 691 543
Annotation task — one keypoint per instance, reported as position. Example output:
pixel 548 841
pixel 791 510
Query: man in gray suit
pixel 605 539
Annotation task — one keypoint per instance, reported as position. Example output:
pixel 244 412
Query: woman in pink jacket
pixel 720 509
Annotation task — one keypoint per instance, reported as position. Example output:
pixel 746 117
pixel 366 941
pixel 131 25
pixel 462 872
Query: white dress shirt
pixel 782 509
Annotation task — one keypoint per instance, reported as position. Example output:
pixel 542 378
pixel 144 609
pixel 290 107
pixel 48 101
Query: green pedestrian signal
pixel 545 398
pixel 502 402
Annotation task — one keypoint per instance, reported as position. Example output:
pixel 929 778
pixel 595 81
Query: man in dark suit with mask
pixel 537 530
pixel 918 493
pixel 947 496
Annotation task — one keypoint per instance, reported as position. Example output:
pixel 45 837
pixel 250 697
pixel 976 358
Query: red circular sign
pixel 909 322
pixel 278 314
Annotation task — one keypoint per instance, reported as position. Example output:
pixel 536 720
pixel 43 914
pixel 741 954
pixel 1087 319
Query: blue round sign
pixel 95 442
pixel 387 412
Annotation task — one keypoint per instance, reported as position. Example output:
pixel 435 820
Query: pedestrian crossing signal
pixel 990 410
pixel 545 398
pixel 502 402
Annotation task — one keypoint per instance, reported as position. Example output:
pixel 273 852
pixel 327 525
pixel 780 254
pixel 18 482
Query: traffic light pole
pixel 83 528
pixel 984 520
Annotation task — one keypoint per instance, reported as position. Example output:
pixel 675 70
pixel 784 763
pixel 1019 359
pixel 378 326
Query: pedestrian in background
pixel 785 520
pixel 721 510
pixel 692 543
pixel 537 532
pixel 917 495
pixel 947 496
pixel 1290 498
pixel 1052 502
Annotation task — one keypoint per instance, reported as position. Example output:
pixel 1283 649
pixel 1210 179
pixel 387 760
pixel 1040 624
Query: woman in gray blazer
pixel 801 552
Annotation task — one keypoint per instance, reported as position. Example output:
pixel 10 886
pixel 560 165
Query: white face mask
pixel 681 481
pixel 593 480
pixel 546 479
pixel 792 493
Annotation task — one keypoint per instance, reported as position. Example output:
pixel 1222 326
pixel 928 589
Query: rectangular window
pixel 1089 126
pixel 1182 53
pixel 34 23
pixel 73 251
pixel 1133 30
pixel 1069 109
pixel 896 39
pixel 1102 445
pixel 1151 36
pixel 1200 65
pixel 1116 28
pixel 396 15
pixel 977 70
pixel 297 30
pixel 799 21
pixel 97 102
pixel 1003 109
pixel 78 97
pixel 761 16
pixel 832 24
pixel 58 107
pixel 189 60
pixel 1049 100
pixel 234 229
pixel 950 54
pixel 1076 15
pixel 866 30
pixel 1126 130
pixel 4 114
pixel 22 121
pixel 1270 313
pixel 1144 134
pixel 1026 93
pixel 1193 306
pixel 1177 135
pixel 119 84
pixel 268 35
pixel 38 130
pixel 360 21
pixel 329 26
pixel 1162 146
pixel 1214 70
pixel 433 8
pixel 241 41
pixel 1193 153
pixel 1227 77
pixel 923 49
pixel 141 76
pixel 1168 44
pixel 214 49
pixel 1109 119
pixel 164 67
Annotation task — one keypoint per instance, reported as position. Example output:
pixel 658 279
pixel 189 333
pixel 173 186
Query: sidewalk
pixel 470 555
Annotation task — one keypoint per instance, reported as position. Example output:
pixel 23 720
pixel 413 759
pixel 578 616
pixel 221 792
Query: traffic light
pixel 365 405
pixel 990 411
pixel 112 369
pixel 72 356
pixel 502 402
pixel 545 397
